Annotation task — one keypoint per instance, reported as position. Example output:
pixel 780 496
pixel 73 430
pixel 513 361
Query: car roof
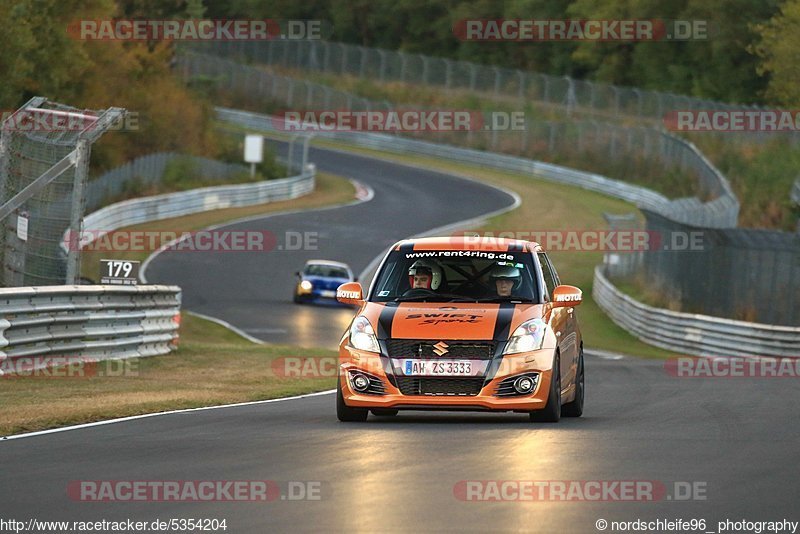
pixel 488 244
pixel 329 263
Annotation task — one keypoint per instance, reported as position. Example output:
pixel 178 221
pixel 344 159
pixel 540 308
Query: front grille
pixel 457 350
pixel 409 385
pixel 506 386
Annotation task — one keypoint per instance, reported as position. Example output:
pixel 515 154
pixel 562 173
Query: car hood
pixel 326 282
pixel 414 320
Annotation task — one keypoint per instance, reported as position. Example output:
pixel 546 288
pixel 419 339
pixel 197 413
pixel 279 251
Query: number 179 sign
pixel 119 272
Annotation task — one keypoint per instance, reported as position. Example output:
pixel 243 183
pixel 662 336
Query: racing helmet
pixel 424 267
pixel 507 272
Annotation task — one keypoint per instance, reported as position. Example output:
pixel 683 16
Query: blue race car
pixel 319 280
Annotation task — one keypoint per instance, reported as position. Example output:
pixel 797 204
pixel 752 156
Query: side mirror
pixel 350 293
pixel 567 296
pixel 355 279
pixel 297 274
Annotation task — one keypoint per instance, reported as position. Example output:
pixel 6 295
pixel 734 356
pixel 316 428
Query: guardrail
pixel 722 212
pixel 93 322
pixel 694 334
pixel 157 207
pixel 149 170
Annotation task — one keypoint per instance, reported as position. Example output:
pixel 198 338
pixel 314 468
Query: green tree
pixel 779 51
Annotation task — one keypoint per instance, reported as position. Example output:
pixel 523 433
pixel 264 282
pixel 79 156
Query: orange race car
pixel 462 323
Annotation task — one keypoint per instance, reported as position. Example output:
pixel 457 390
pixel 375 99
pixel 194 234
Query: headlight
pixel 527 337
pixel 362 336
pixel 306 285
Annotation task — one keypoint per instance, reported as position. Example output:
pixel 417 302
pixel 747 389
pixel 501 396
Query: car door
pixel 563 324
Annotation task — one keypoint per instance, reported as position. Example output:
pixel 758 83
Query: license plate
pixel 438 368
pixel 327 293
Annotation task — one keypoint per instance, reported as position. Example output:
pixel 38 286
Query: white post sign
pixel 253 151
pixel 22 226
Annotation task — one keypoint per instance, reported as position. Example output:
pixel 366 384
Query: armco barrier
pixel 693 334
pixel 104 322
pixel 722 212
pixel 157 207
pixel 95 322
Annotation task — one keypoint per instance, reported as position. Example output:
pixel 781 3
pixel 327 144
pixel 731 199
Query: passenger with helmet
pixel 424 275
pixel 507 279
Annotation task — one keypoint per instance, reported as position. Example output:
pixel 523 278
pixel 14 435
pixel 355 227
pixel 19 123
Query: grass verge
pixel 212 366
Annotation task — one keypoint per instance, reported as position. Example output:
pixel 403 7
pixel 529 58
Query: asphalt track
pixel 735 439
pixel 253 290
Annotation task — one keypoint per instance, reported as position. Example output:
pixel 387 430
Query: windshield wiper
pixel 435 298
pixel 416 298
pixel 504 299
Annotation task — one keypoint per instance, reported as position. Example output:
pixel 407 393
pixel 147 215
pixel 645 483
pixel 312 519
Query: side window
pixel 556 279
pixel 549 274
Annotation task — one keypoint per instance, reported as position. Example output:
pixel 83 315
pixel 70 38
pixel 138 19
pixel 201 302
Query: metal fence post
pixel 84 150
pixel 382 73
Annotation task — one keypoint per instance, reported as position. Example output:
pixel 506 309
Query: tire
pixel 575 408
pixel 551 413
pixel 345 413
pixel 385 412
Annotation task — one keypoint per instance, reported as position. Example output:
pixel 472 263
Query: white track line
pixel 229 326
pixel 156 414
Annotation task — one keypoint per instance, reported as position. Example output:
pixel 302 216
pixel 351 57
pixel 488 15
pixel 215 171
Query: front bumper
pixel 538 362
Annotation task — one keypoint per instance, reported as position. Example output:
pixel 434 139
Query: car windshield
pixel 457 276
pixel 330 271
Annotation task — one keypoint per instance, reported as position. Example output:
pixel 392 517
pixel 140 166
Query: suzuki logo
pixel 441 348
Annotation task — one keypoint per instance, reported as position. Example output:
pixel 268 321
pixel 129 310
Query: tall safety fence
pixel 520 88
pixel 794 196
pixel 694 334
pixel 740 273
pixel 44 157
pixel 716 205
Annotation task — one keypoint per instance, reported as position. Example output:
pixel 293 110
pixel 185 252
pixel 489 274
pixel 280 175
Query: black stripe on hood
pixel 503 323
pixel 385 321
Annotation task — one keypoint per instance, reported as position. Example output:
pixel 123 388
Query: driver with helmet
pixel 507 279
pixel 424 275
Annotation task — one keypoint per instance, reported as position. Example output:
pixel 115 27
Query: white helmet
pixel 507 272
pixel 423 267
